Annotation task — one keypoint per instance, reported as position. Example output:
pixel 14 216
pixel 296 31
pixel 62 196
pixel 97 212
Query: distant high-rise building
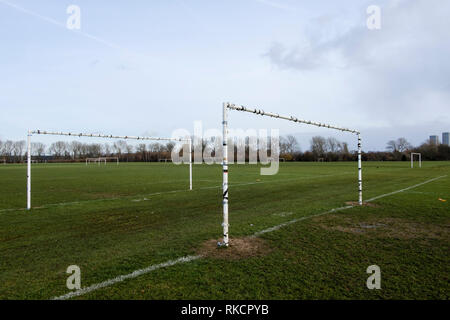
pixel 434 140
pixel 446 138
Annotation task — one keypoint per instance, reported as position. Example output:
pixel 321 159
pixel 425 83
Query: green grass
pixel 112 220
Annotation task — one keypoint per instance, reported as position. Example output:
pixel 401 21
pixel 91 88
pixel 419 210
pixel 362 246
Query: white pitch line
pixel 132 275
pixel 284 224
pixel 409 188
pixel 140 272
pixel 343 208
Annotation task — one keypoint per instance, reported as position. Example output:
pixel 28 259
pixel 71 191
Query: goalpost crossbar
pixel 96 135
pixel 289 118
pixel 229 106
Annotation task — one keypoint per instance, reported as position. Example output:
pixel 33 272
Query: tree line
pixel 331 149
pixel 16 151
pixel 321 149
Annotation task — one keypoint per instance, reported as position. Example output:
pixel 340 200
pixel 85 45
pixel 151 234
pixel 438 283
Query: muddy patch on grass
pixel 365 204
pixel 239 248
pixel 385 227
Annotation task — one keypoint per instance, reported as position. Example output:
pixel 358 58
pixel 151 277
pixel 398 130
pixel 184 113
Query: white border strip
pixel 406 189
pixel 343 208
pixel 132 275
pixel 140 272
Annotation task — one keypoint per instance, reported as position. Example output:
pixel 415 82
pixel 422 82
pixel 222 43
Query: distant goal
pixel 419 158
pixel 102 160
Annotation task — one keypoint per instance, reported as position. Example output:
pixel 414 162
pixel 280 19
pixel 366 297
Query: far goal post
pixel 93 135
pixel 228 106
pixel 419 157
pixel 99 160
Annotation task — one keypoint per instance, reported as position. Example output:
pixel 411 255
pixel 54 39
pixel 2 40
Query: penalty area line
pixel 186 259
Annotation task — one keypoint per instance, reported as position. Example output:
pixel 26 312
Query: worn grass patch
pixel 239 248
pixel 399 228
pixel 365 204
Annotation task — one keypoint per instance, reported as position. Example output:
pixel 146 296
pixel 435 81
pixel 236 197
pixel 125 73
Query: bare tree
pixel 58 148
pixel 332 145
pixel 170 146
pixel 18 148
pixel 288 144
pixel 403 145
pixel 344 148
pixel 107 149
pixel 7 148
pixel 37 149
pixel 129 148
pixel 399 145
pixel 318 146
pixel 155 147
pixel 283 145
pixel 120 146
pixel 392 146
pixel 76 148
pixel 95 150
pixel 142 149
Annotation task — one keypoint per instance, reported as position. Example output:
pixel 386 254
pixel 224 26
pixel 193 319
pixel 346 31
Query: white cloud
pixel 398 75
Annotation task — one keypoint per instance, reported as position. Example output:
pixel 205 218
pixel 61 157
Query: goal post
pixel 412 159
pixel 102 159
pixel 229 106
pixel 94 135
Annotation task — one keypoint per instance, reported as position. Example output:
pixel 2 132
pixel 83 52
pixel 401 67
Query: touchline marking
pixel 342 208
pixel 132 275
pixel 406 189
pixel 284 224
pixel 140 272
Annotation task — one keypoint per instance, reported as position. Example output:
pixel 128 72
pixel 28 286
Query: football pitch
pixel 137 232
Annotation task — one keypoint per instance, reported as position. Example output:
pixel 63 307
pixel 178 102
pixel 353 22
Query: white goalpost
pixel 92 135
pixel 99 160
pixel 228 106
pixel 412 159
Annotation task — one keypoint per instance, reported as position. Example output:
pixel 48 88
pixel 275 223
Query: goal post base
pixel 222 245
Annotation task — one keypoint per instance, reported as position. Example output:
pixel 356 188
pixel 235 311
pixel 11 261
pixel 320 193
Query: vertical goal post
pixel 412 159
pixel 94 135
pixel 229 106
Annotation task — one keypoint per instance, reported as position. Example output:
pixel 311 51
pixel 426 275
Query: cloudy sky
pixel 151 67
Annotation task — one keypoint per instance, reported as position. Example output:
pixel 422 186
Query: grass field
pixel 112 220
